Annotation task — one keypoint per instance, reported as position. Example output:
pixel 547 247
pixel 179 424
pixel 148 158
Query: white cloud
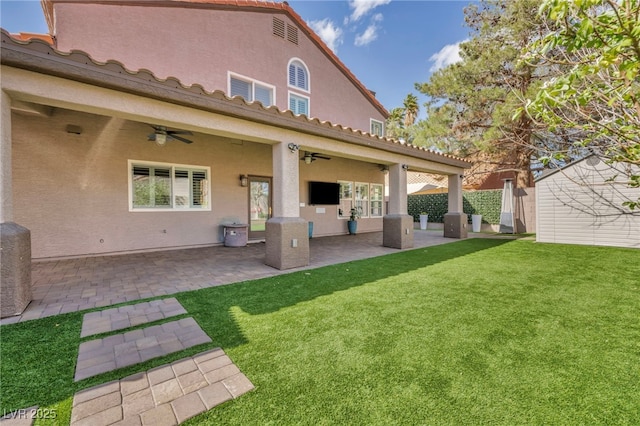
pixel 450 54
pixel 370 34
pixel 328 32
pixel 362 7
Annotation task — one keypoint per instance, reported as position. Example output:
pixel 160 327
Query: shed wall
pixel 580 205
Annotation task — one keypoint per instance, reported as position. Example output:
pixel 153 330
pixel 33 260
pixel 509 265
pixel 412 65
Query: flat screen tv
pixel 324 193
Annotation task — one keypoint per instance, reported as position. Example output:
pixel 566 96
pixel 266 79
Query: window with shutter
pixel 168 187
pixel 251 90
pixel 264 95
pixel 298 75
pixel 298 104
pixel 377 127
pixel 240 88
pixel 377 198
pixel 362 198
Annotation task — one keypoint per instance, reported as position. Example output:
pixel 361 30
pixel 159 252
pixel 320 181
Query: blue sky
pixel 388 44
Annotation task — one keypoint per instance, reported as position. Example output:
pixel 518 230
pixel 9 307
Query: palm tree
pixel 411 109
pixel 395 123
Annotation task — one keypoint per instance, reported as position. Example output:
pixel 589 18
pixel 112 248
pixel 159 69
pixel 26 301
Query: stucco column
pixel 397 226
pixel 15 240
pixel 455 221
pixel 287 234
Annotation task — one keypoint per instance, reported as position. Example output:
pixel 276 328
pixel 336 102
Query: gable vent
pixel 278 27
pixel 292 33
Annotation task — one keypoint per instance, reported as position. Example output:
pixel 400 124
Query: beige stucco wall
pixel 200 46
pixel 71 190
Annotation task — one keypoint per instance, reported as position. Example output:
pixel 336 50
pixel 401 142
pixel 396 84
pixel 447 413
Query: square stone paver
pixel 188 406
pixel 128 316
pixel 166 395
pixel 121 350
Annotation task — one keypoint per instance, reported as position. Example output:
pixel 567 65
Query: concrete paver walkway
pixel 166 395
pixel 120 350
pixel 129 316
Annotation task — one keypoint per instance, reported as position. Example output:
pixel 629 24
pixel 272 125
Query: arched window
pixel 298 75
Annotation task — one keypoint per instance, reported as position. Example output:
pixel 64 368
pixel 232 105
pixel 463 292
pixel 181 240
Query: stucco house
pixel 582 203
pixel 235 110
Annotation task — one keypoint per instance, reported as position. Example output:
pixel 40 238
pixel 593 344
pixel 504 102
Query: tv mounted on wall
pixel 324 193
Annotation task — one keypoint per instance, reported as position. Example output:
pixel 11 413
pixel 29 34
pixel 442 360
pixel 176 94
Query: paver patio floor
pixel 70 285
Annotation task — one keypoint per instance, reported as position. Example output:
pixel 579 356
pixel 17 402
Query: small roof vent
pixel 292 33
pixel 278 27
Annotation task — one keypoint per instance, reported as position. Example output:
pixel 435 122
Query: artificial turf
pixel 475 332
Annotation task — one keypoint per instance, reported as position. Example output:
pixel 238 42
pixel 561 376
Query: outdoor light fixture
pixel 293 147
pixel 384 169
pixel 405 167
pixel 161 139
pixel 73 129
pixel 244 180
pixel 308 159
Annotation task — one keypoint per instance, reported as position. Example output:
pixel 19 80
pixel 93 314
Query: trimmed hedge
pixel 486 203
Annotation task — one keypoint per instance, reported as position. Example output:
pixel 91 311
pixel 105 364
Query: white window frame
pixel 253 83
pixel 372 200
pixel 172 167
pixel 297 95
pixel 363 201
pixel 371 122
pixel 306 70
pixel 346 210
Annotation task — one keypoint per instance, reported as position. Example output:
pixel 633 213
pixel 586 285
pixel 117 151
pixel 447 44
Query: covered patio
pixel 61 286
pixel 74 147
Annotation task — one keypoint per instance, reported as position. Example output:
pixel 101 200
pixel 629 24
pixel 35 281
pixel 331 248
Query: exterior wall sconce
pixel 405 167
pixel 293 147
pixel 244 180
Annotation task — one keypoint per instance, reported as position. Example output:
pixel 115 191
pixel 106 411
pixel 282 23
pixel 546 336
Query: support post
pixel 287 234
pixel 455 221
pixel 397 226
pixel 15 240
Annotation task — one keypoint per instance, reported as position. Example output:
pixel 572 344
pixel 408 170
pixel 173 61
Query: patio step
pixel 129 316
pixel 102 355
pixel 166 395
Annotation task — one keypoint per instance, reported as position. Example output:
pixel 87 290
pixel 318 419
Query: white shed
pixel 581 204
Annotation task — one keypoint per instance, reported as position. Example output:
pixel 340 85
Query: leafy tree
pixel 597 96
pixel 479 94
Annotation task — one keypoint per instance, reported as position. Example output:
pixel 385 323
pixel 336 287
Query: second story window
pixel 299 104
pixel 251 90
pixel 376 127
pixel 298 75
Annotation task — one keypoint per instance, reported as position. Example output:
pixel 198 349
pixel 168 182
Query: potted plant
pixel 352 224
pixel 424 217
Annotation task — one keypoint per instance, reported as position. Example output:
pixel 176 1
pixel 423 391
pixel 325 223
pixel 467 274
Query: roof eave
pixel 40 57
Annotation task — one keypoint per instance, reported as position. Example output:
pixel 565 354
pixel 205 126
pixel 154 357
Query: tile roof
pixel 40 56
pixel 47 38
pixel 280 7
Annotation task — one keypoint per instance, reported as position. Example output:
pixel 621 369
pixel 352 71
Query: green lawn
pixel 475 332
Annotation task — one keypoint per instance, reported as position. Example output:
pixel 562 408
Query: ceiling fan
pixel 310 157
pixel 162 135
